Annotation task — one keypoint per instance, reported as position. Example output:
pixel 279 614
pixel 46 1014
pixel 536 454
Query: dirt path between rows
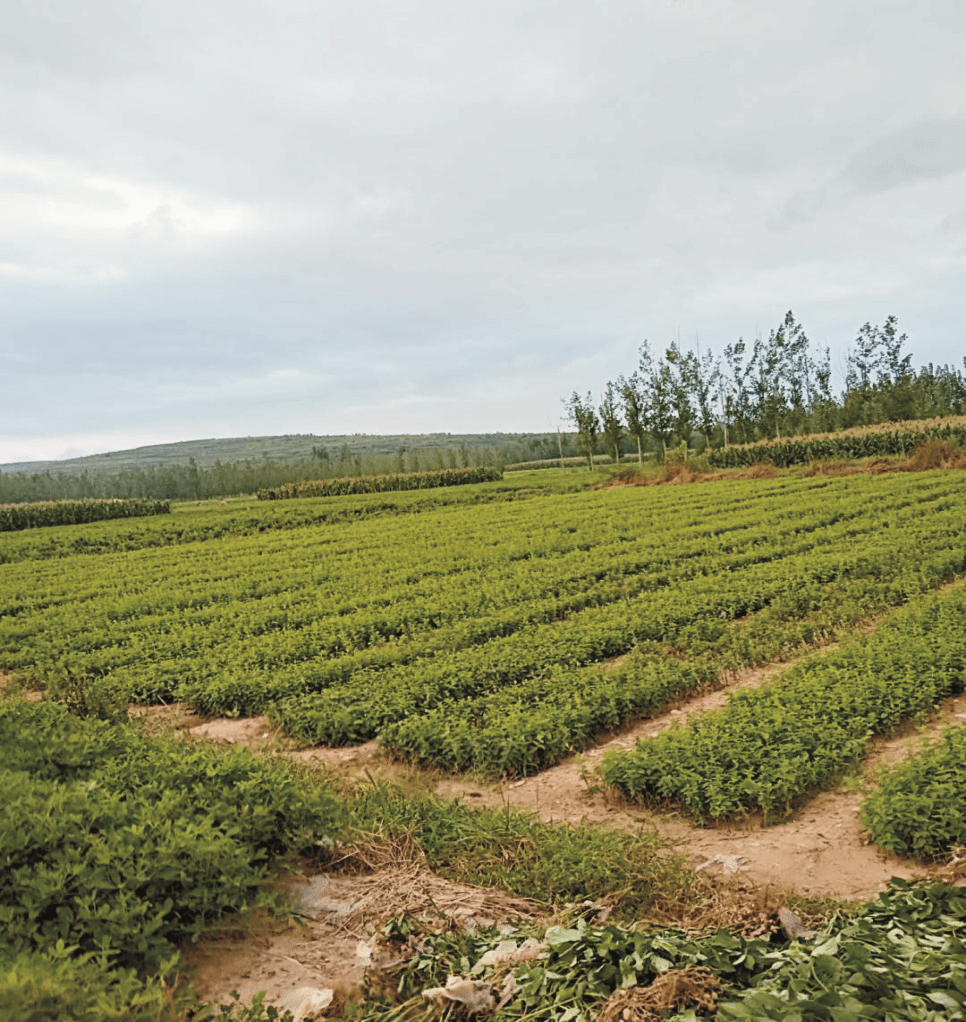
pixel 821 849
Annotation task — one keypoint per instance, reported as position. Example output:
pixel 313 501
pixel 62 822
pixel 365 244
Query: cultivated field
pixel 496 628
pixel 477 635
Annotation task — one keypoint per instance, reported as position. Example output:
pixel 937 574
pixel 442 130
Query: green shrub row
pixel 919 808
pixel 122 847
pixel 382 484
pixel 770 745
pixel 801 450
pixel 533 725
pixel 525 728
pixel 367 702
pixel 373 621
pixel 14 517
pixel 242 621
pixel 210 521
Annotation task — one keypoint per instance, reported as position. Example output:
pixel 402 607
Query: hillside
pixel 289 448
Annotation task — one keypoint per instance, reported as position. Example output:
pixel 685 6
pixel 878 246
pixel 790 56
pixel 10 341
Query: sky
pixel 238 218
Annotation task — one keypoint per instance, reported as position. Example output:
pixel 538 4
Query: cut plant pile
pixel 899 957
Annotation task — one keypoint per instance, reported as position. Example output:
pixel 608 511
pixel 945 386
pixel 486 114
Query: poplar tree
pixel 634 410
pixel 583 415
pixel 610 419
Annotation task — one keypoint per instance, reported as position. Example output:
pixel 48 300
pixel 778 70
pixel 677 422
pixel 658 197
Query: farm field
pixel 474 634
pixel 498 630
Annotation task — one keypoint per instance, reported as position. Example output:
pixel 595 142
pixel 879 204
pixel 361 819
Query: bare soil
pixel 331 946
pixel 821 849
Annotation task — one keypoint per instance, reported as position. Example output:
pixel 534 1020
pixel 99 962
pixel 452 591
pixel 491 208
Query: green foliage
pixel 520 702
pixel 770 745
pixel 583 415
pixel 214 520
pixel 778 387
pixel 14 517
pixel 919 808
pixel 527 727
pixel 63 985
pixel 86 696
pixel 472 612
pixel 518 853
pixel 901 958
pixel 382 483
pixel 863 443
pixel 121 847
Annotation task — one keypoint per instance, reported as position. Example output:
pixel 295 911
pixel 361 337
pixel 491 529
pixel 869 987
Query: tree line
pixel 777 387
pixel 200 482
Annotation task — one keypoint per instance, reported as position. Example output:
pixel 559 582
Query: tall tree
pixel 610 422
pixel 635 411
pixel 702 374
pixel 657 389
pixel 683 410
pixel 583 415
pixel 736 385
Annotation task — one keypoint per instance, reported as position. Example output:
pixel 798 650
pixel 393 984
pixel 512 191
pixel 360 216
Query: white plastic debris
pixel 507 953
pixel 496 956
pixel 306 1002
pixel 475 995
pixel 793 926
pixel 365 953
pixel 508 990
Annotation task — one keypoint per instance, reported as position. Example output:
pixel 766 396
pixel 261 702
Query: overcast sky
pixel 235 217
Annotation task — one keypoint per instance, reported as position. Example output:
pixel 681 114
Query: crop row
pixel 533 725
pixel 919 807
pixel 866 444
pixel 210 522
pixel 284 583
pixel 363 706
pixel 15 517
pixel 327 602
pixel 770 745
pixel 355 696
pixel 358 625
pixel 354 485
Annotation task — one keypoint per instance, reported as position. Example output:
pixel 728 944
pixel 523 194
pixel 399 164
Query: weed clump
pixel 933 454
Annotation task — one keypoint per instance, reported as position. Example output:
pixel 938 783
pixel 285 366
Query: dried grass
pixel 832 467
pixel 933 454
pixel 751 913
pixel 384 880
pixel 692 986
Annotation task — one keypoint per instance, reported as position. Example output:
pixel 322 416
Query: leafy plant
pixel 919 808
pixel 769 745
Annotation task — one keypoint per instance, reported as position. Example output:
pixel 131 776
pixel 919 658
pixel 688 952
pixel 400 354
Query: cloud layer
pixel 240 218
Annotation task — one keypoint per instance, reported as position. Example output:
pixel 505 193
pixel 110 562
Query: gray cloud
pixel 319 216
pixel 915 153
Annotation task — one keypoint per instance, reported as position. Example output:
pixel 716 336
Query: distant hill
pixel 281 449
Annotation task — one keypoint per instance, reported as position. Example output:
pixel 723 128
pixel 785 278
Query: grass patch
pixel 634 875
